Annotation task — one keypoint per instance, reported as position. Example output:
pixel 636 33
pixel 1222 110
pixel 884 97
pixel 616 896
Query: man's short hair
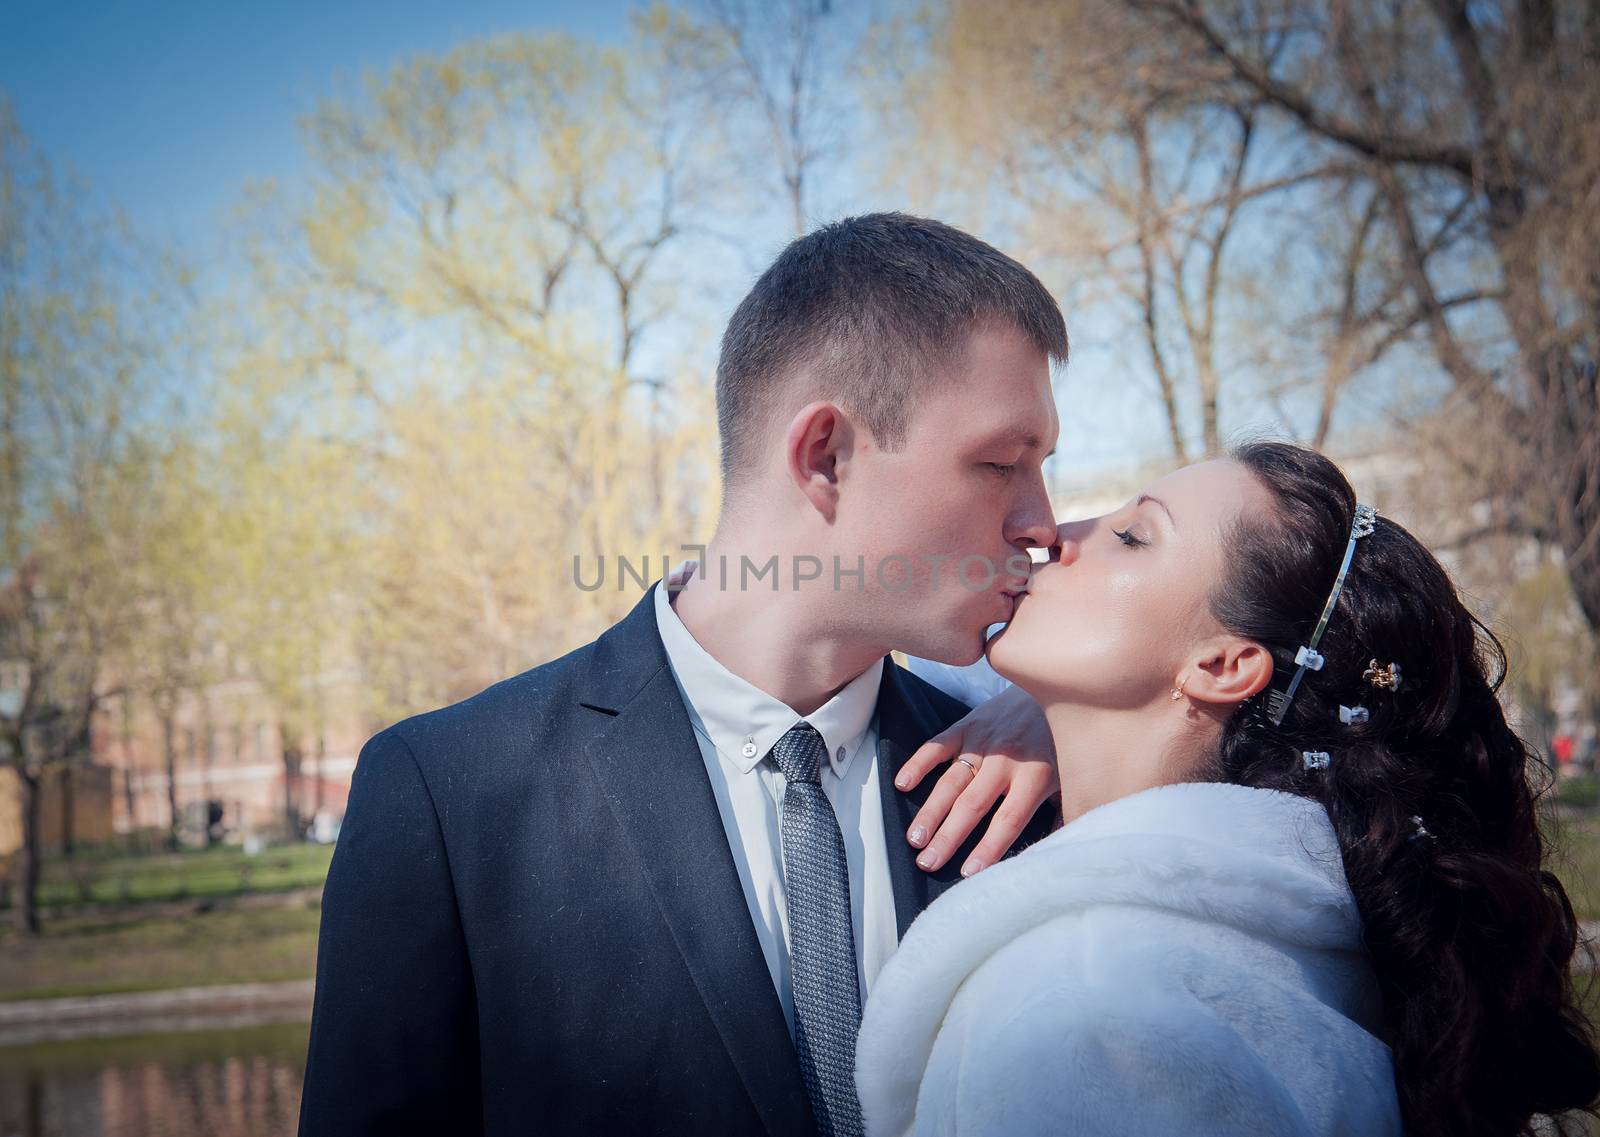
pixel 872 312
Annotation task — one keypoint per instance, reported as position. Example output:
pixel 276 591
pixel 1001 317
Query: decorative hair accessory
pixel 1316 759
pixel 1420 830
pixel 1385 676
pixel 1353 716
pixel 1308 658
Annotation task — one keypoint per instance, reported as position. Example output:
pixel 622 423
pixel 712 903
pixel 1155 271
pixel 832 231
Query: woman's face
pixel 1114 617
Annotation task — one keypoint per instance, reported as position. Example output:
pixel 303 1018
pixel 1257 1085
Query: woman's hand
pixel 1008 742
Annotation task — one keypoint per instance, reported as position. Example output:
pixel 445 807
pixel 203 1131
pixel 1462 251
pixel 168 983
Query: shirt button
pixel 749 748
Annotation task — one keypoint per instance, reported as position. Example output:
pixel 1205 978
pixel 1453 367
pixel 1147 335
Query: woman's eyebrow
pixel 1144 497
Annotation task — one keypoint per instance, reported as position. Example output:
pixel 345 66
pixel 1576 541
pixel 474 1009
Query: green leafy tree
pixel 73 371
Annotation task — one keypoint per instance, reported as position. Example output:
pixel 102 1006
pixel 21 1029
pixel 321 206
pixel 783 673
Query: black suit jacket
pixel 533 923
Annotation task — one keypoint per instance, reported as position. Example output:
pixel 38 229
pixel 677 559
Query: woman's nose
pixel 1068 542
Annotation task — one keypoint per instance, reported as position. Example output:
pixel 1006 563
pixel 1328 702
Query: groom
pixel 645 888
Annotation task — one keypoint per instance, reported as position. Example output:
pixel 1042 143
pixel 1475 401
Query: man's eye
pixel 1001 468
pixel 1127 538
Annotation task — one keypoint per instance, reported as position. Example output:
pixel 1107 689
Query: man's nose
pixel 1033 525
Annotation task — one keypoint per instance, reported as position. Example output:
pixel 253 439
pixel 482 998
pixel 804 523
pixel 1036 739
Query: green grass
pixel 284 1043
pixel 97 955
pixel 108 924
pixel 111 946
pixel 1574 846
pixel 99 878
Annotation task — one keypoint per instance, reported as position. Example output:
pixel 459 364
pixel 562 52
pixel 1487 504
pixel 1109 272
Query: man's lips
pixel 1015 588
pixel 1014 593
pixel 1022 588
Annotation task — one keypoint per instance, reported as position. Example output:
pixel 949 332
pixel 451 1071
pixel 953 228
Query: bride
pixel 1300 887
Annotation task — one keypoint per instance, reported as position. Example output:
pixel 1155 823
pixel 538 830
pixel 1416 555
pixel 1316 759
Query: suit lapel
pixel 648 764
pixel 905 721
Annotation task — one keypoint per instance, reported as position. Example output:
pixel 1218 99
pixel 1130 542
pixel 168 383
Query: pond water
pixel 235 1083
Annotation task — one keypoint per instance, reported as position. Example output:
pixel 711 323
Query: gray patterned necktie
pixel 822 946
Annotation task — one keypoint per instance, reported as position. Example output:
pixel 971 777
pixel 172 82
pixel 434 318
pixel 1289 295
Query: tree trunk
pixel 68 811
pixel 291 789
pixel 25 885
pixel 1210 386
pixel 322 756
pixel 1583 564
pixel 129 799
pixel 169 753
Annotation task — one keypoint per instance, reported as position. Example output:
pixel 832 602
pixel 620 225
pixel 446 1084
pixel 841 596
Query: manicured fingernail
pixel 919 835
pixel 925 861
pixel 971 867
pixel 902 782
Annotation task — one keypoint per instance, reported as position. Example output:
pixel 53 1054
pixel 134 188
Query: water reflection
pixel 240 1083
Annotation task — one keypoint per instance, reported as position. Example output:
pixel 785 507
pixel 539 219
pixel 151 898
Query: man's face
pixel 945 514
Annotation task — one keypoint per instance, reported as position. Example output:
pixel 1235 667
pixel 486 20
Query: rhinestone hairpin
pixel 1383 675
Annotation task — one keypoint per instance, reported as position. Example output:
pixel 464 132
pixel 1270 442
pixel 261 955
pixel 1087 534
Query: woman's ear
pixel 1228 671
pixel 818 443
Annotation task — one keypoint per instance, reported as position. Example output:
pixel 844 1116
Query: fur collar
pixel 1261 861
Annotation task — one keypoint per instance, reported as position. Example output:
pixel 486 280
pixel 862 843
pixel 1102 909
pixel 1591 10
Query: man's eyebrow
pixel 1144 497
pixel 1026 439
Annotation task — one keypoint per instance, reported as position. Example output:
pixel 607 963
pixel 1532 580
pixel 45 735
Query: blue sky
pixel 169 109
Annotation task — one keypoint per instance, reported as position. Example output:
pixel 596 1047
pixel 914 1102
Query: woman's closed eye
pixel 1126 536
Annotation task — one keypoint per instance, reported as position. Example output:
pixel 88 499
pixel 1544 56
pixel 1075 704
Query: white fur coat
pixel 1186 960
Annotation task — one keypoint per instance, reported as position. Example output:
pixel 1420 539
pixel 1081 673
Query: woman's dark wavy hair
pixel 1470 937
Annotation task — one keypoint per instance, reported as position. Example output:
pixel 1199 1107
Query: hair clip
pixel 1365 521
pixel 1353 716
pixel 1385 676
pixel 1316 759
pixel 1421 830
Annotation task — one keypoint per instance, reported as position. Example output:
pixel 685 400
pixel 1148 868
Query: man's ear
pixel 819 441
pixel 1227 671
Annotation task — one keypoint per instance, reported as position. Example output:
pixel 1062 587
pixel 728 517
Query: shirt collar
pixel 742 721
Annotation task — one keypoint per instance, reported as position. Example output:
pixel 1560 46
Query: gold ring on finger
pixel 969 766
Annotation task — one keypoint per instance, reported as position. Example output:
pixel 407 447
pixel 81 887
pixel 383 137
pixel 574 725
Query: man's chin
pixel 965 658
pixel 957 653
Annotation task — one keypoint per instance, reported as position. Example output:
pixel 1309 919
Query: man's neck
pixel 785 642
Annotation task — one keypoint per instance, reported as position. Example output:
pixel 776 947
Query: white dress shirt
pixel 737 725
